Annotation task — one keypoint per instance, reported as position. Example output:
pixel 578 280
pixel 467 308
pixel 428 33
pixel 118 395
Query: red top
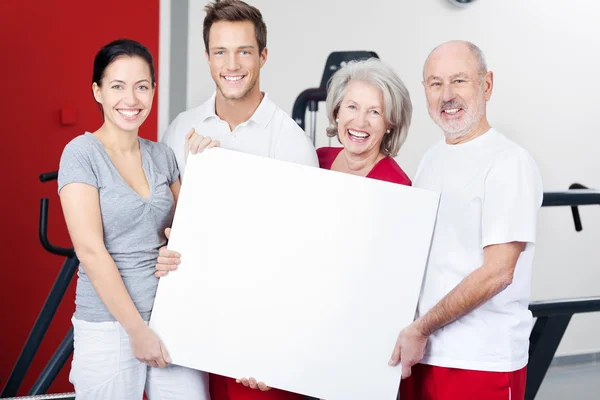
pixel 386 169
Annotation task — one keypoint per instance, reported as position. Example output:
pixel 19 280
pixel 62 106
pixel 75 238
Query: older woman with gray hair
pixel 369 111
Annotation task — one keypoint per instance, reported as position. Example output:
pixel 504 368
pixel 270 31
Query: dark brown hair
pixel 235 11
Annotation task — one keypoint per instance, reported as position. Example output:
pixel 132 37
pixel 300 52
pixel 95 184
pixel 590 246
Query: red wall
pixel 46 57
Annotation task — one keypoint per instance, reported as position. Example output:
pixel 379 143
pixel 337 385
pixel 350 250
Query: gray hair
pixel 474 49
pixel 396 99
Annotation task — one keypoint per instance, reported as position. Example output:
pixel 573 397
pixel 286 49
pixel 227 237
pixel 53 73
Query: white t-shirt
pixel 491 192
pixel 270 132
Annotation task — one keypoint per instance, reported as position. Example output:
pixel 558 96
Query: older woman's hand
pixel 251 383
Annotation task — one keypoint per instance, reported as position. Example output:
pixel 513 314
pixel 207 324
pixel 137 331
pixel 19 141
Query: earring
pixel 388 131
pixel 337 120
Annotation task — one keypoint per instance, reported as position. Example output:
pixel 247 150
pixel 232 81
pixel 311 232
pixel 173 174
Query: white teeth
pixel 360 135
pixel 233 78
pixel 452 111
pixel 129 113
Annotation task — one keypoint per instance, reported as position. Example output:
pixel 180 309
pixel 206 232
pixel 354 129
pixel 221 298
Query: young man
pixel 240 117
pixel 471 335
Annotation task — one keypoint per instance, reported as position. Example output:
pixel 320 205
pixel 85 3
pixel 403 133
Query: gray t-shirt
pixel 133 227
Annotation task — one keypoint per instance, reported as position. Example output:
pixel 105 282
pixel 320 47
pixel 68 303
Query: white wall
pixel 546 63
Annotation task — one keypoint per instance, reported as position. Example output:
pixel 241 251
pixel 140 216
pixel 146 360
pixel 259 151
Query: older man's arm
pixel 495 275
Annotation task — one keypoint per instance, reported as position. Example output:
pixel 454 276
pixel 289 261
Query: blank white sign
pixel 297 276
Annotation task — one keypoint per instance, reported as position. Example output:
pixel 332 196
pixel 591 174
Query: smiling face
pixel 125 93
pixel 234 59
pixel 361 119
pixel 456 90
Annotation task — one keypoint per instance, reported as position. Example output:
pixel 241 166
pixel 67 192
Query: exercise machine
pixel 553 317
pixel 310 98
pixel 45 317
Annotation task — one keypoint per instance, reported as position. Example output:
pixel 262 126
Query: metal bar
pixel 43 232
pixel 575 197
pixel 302 102
pixel 57 396
pixel 40 327
pixel 576 219
pixel 575 210
pixel 313 127
pixel 544 340
pixel 565 307
pixel 54 366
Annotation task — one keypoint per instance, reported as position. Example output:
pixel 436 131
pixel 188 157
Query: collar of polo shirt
pixel 262 116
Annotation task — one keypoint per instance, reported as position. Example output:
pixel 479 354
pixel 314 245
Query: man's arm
pixel 481 285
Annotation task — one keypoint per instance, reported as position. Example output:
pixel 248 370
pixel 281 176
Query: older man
pixel 470 338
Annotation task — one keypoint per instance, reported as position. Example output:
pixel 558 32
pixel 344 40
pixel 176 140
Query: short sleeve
pixel 171 165
pixel 295 146
pixel 421 166
pixel 175 140
pixel 76 166
pixel 512 198
pixel 425 176
pixel 327 155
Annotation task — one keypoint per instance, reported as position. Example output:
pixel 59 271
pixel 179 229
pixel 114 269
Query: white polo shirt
pixel 491 192
pixel 270 132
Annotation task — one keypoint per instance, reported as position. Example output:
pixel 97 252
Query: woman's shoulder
pixel 327 156
pixel 82 144
pixel 389 170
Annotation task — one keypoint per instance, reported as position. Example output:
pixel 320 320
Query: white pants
pixel 104 368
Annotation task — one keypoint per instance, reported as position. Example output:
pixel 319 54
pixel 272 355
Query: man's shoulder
pixel 507 148
pixel 291 142
pixel 284 124
pixel 434 150
pixel 185 120
pixel 193 115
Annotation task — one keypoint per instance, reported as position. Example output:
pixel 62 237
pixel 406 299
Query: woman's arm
pixel 81 209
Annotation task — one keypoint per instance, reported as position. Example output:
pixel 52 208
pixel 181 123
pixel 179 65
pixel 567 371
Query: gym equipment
pixel 553 317
pixel 61 396
pixel 312 97
pixel 45 316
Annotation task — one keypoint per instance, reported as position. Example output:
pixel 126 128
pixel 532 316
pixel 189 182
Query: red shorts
pixel 428 382
pixel 222 388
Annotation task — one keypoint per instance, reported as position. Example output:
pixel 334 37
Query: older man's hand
pixel 410 348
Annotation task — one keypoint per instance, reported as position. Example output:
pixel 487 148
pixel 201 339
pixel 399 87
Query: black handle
pixel 309 97
pixel 43 226
pixel 43 232
pixel 48 176
pixel 575 209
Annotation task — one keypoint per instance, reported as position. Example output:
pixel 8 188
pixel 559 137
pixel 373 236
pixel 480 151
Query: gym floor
pixel 571 382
